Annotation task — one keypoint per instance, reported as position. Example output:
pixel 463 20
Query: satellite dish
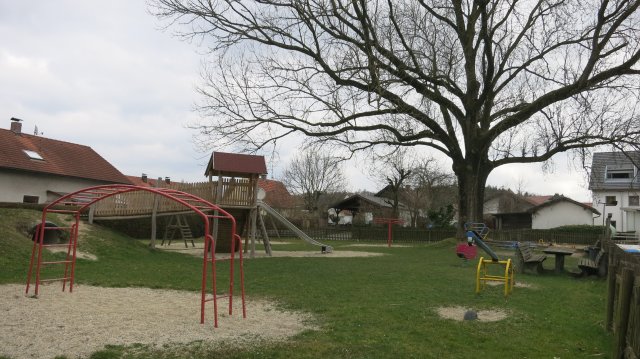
pixel 261 194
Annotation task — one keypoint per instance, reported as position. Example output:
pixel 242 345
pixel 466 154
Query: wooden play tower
pixel 233 181
pixel 232 185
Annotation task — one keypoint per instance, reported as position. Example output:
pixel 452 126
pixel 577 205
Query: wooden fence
pixel 379 233
pixel 546 235
pixel 623 301
pixel 238 192
pixel 375 234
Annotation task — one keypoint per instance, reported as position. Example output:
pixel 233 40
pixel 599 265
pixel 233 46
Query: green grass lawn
pixel 367 307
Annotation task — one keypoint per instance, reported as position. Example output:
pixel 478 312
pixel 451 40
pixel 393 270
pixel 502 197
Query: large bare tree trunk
pixel 472 179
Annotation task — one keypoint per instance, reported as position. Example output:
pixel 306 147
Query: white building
pixel 512 211
pixel 35 169
pixel 616 188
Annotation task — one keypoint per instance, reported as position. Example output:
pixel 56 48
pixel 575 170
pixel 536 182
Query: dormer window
pixel 624 173
pixel 33 155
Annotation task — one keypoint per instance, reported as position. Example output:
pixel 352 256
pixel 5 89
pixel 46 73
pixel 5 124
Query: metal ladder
pixel 40 259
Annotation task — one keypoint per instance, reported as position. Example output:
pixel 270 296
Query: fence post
pixel 622 313
pixel 611 295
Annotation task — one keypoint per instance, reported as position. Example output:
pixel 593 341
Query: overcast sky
pixel 103 74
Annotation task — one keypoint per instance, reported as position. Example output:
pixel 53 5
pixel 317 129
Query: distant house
pixel 36 169
pixel 508 210
pixel 145 181
pixel 364 208
pixel 615 184
pixel 277 196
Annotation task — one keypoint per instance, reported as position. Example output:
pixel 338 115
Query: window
pixel 30 199
pixel 33 155
pixel 610 200
pixel 634 201
pixel 624 173
pixel 613 224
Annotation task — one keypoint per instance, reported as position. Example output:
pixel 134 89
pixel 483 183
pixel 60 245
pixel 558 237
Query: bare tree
pixel 486 82
pixel 313 175
pixel 429 189
pixel 393 170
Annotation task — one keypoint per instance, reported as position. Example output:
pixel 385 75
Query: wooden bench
pixel 595 266
pixel 528 260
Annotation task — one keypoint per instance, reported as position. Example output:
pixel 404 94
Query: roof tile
pixel 236 163
pixel 59 158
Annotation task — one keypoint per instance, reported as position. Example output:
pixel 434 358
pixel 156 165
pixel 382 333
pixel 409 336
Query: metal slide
pixel 291 226
pixel 477 232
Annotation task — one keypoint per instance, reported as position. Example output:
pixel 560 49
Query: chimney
pixel 144 177
pixel 167 180
pixel 16 126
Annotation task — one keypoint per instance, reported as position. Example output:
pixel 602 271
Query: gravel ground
pixel 84 321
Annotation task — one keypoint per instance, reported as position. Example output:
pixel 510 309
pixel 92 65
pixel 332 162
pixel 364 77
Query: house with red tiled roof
pixel 508 210
pixel 145 181
pixel 276 194
pixel 35 169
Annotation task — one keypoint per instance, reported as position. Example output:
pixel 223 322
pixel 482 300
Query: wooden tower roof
pixel 235 165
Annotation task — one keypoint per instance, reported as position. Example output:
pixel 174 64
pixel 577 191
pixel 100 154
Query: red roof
pixel 277 195
pixel 236 163
pixel 137 181
pixel 537 200
pixel 58 158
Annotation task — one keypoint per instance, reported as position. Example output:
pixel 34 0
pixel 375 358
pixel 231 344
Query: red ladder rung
pixel 100 193
pixel 85 197
pixel 68 211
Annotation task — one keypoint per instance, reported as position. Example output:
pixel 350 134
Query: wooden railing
pixel 238 192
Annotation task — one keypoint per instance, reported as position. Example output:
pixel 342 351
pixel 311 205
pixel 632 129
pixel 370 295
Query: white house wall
pixel 560 214
pixel 492 206
pixel 15 185
pixel 624 221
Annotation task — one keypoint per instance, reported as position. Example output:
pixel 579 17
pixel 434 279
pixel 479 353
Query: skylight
pixel 620 173
pixel 33 155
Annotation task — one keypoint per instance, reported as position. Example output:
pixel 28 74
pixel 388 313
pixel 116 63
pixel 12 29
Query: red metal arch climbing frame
pixel 81 200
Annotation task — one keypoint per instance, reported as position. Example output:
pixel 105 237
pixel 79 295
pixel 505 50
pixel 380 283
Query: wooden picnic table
pixel 559 253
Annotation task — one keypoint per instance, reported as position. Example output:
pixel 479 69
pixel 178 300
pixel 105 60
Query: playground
pixel 405 302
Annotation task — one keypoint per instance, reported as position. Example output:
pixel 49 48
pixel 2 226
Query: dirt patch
pixel 516 285
pixel 79 253
pixel 79 323
pixel 457 313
